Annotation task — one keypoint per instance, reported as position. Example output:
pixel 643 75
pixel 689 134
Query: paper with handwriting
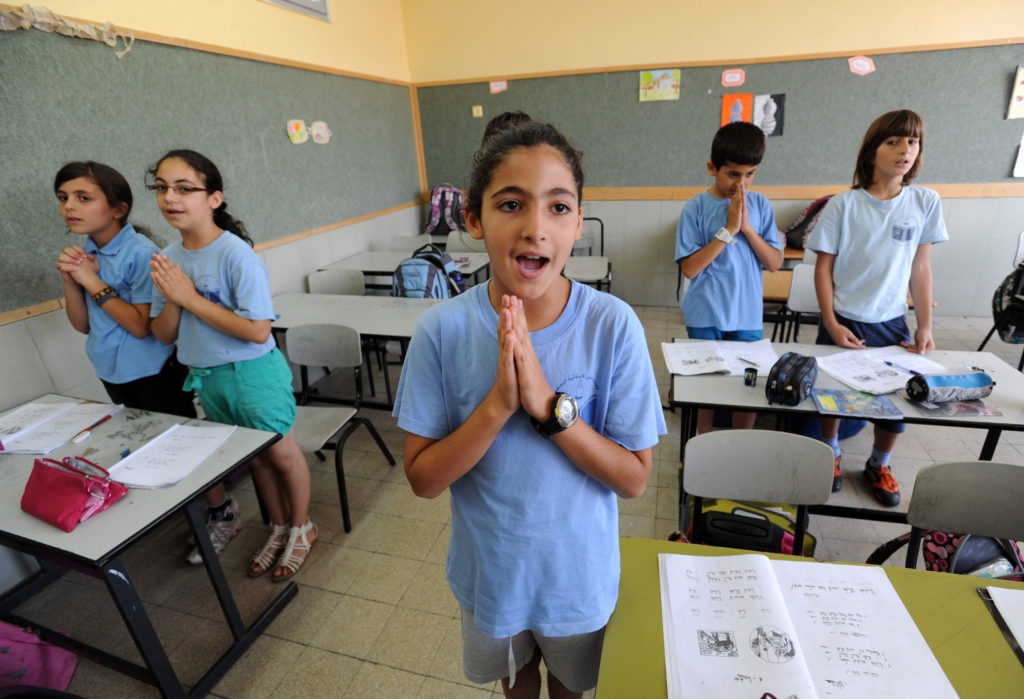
pixel 171 456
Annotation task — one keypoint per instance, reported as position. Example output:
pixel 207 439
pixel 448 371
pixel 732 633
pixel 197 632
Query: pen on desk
pixel 747 361
pixel 125 453
pixel 903 368
pixel 84 434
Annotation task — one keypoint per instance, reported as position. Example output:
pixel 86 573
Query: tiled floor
pixel 374 616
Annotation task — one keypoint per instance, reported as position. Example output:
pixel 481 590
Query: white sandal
pixel 300 539
pixel 264 559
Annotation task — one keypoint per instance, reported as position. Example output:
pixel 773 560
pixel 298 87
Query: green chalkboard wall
pixel 961 93
pixel 70 99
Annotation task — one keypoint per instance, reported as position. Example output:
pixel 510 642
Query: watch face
pixel 565 410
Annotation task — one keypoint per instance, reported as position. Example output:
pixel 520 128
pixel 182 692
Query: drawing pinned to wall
pixel 770 113
pixel 734 77
pixel 1016 108
pixel 320 132
pixel 659 85
pixel 861 65
pixel 297 132
pixel 498 86
pixel 737 107
pixel 1018 167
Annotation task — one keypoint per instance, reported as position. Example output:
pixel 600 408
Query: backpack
pixel 791 379
pixel 798 231
pixel 965 554
pixel 744 525
pixel 1009 316
pixel 447 204
pixel 428 274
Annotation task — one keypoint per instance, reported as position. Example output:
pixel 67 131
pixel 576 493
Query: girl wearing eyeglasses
pixel 213 298
pixel 107 288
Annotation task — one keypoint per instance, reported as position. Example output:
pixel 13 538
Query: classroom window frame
pixel 313 8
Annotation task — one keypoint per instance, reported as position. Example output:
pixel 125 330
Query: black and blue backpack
pixel 428 274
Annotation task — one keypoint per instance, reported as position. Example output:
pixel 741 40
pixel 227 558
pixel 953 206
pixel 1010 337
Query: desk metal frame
pixel 55 560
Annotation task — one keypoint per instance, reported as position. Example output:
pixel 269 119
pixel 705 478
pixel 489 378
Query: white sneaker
pixel 221 530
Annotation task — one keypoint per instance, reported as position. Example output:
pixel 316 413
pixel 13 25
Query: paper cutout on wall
pixel 733 77
pixel 770 113
pixel 737 107
pixel 498 86
pixel 861 65
pixel 659 85
pixel 297 132
pixel 1018 167
pixel 321 133
pixel 1016 108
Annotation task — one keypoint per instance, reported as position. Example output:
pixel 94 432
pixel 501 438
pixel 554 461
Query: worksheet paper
pixel 866 370
pixel 718 356
pixel 22 419
pixel 170 457
pixel 50 433
pixel 740 626
pixel 1010 604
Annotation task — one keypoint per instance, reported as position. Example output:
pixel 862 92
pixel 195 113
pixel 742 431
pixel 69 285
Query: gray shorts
pixel 574 660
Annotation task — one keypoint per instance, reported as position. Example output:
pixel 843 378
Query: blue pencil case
pixel 943 388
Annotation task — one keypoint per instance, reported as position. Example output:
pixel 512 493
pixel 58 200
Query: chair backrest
pixel 971 497
pixel 810 257
pixel 405 243
pixel 591 240
pixel 337 281
pixel 324 345
pixel 1018 256
pixel 459 241
pixel 759 465
pixel 802 296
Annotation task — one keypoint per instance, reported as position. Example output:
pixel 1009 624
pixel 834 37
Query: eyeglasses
pixel 179 189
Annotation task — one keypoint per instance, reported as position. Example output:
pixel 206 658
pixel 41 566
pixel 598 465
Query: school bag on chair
pixel 428 274
pixel 797 233
pixel 949 552
pixel 447 204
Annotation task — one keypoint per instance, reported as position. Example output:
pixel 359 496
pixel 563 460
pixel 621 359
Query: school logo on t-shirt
pixel 208 287
pixel 903 232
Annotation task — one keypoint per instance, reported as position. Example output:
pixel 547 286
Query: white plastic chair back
pixel 802 297
pixel 337 281
pixel 759 465
pixel 324 345
pixel 985 498
pixel 810 257
pixel 459 241
pixel 405 243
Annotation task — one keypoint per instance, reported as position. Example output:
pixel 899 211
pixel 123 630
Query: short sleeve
pixel 251 283
pixel 825 235
pixel 635 416
pixel 934 228
pixel 419 398
pixel 769 230
pixel 140 283
pixel 688 239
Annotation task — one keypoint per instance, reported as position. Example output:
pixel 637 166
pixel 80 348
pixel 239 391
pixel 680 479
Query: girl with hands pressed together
pixel 107 290
pixel 214 299
pixel 532 400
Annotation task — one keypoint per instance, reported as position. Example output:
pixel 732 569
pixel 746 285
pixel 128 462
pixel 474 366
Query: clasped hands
pixel 171 281
pixel 519 380
pixel 738 221
pixel 75 264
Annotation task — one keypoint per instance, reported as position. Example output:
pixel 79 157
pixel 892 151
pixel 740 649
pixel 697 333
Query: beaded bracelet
pixel 104 295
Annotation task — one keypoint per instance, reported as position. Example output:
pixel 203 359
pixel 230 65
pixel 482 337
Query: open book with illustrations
pixel 740 626
pixel 848 403
pixel 690 357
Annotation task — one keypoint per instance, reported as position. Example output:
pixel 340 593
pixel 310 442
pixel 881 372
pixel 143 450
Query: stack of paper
pixel 710 357
pixel 171 456
pixel 741 626
pixel 878 370
pixel 39 428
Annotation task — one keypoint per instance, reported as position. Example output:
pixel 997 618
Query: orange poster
pixel 737 108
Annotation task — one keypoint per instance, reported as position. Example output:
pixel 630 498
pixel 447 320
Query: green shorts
pixel 256 393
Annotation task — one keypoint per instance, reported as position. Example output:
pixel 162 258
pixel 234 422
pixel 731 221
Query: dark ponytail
pixel 213 183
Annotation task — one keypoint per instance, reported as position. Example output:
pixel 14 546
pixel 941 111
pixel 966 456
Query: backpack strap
pixel 882 554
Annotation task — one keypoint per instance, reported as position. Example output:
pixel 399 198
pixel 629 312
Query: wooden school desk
pixel 382 264
pixel 97 545
pixel 380 317
pixel 961 632
pixel 720 391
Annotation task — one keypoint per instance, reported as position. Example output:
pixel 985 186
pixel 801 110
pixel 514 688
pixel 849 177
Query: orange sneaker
pixel 886 489
pixel 837 477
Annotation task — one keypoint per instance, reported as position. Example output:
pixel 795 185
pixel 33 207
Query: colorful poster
pixel 737 107
pixel 770 113
pixel 1016 108
pixel 659 85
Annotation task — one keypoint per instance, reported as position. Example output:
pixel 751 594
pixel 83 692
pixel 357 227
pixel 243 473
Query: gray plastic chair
pixel 802 301
pixel 337 281
pixel 459 241
pixel 588 265
pixel 984 498
pixel 329 427
pixel 759 465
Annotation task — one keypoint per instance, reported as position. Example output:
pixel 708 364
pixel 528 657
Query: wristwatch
pixel 725 236
pixel 563 416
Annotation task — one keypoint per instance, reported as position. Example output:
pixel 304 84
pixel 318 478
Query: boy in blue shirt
pixel 724 237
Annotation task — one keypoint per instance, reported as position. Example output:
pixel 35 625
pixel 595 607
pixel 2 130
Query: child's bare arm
pixel 433 465
pixel 921 292
pixel 825 288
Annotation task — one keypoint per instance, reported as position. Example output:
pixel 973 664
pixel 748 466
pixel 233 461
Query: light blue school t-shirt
pixel 874 242
pixel 230 274
pixel 728 294
pixel 117 355
pixel 534 540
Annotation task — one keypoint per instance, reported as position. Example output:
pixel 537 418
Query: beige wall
pixel 364 36
pixel 492 38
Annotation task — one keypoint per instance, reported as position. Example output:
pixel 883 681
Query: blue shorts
pixel 713 333
pixel 888 332
pixel 256 393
